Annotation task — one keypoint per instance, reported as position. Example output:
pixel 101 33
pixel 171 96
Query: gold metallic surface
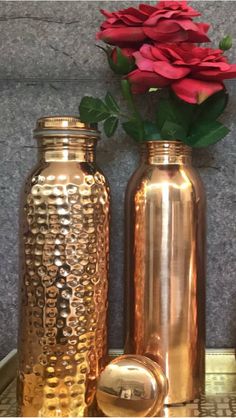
pixel 63 122
pixel 165 266
pixel 221 361
pixel 64 261
pixel 131 386
pixel 219 400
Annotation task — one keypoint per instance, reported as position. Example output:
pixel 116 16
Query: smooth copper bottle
pixel 64 261
pixel 165 266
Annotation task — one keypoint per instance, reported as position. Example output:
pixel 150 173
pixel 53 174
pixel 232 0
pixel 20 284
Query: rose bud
pixel 121 60
pixel 226 43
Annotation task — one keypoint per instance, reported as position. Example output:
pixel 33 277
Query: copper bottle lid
pixel 64 124
pixel 131 386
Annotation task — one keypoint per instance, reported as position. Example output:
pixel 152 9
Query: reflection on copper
pixel 64 273
pixel 165 266
pixel 131 386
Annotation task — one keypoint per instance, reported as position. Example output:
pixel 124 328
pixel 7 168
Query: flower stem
pixel 127 94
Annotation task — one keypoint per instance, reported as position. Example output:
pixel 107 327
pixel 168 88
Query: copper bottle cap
pixel 50 125
pixel 131 385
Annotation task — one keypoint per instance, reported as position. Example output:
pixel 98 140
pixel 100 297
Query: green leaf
pixel 110 125
pixel 176 111
pixel 171 130
pixel 135 129
pixel 212 108
pixel 151 131
pixel 111 103
pixel 206 134
pixel 93 110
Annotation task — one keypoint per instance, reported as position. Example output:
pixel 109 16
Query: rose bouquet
pixel 155 50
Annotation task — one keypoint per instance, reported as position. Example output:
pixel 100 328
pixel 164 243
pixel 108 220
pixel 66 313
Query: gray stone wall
pixel 48 61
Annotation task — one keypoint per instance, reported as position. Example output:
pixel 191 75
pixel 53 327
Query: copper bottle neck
pixel 166 152
pixel 81 149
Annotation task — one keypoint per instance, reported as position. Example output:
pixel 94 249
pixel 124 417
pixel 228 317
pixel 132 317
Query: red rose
pixel 194 73
pixel 168 21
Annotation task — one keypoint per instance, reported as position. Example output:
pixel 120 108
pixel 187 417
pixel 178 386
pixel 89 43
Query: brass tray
pixel 218 401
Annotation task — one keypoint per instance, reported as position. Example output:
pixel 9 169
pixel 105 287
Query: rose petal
pixel 218 75
pixel 170 71
pixel 167 26
pixel 141 81
pixel 132 12
pixel 171 50
pixel 203 27
pixel 180 6
pixel 106 13
pixel 188 24
pixel 142 63
pixel 158 54
pixel 155 17
pixel 223 66
pixel 155 35
pixel 146 51
pixel 191 63
pixel 147 8
pixel 117 36
pixel 195 91
pixel 131 20
pixel 197 37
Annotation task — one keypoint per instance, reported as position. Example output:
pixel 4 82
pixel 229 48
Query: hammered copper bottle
pixel 62 330
pixel 165 266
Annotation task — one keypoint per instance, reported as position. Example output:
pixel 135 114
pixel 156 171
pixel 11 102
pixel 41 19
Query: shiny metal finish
pixel 64 262
pixel 59 126
pixel 165 266
pixel 131 386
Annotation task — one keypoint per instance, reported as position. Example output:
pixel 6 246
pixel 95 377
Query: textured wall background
pixel 48 61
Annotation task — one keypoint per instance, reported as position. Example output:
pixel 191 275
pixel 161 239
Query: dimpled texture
pixel 63 334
